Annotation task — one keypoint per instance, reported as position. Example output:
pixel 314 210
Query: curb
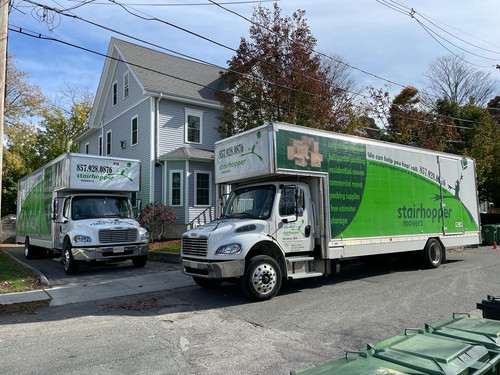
pixel 158 256
pixel 43 279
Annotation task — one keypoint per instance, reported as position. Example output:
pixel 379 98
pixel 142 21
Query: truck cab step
pixel 304 275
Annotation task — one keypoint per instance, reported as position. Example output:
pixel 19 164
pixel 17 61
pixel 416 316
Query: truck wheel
pixel 29 250
pixel 207 283
pixel 433 253
pixel 140 261
pixel 262 278
pixel 70 265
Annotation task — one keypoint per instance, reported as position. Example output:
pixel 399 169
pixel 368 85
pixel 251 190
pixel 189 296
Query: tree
pixel 451 78
pixel 59 130
pixel 275 76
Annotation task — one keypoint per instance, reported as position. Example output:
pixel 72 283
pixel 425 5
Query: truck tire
pixel 262 278
pixel 433 253
pixel 30 252
pixel 140 261
pixel 69 264
pixel 207 283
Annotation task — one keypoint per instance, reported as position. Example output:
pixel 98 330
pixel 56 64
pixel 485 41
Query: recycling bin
pixel 490 307
pixel 489 234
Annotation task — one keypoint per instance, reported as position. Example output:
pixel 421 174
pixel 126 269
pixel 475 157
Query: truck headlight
pixel 233 248
pixel 82 239
pixel 144 235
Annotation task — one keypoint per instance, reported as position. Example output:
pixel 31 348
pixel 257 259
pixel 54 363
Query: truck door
pixel 450 173
pixel 295 220
pixel 60 209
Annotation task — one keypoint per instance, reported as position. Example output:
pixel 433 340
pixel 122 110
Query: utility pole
pixel 4 28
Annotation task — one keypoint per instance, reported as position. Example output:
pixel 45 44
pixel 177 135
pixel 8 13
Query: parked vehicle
pixel 79 205
pixel 303 199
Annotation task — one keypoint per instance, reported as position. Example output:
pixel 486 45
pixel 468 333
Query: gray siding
pixel 121 131
pixel 135 93
pixel 171 130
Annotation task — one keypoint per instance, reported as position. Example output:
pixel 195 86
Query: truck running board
pixel 302 267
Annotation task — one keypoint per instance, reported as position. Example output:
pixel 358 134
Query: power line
pixel 310 49
pixel 199 60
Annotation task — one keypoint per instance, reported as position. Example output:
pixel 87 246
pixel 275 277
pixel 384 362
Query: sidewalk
pixel 114 288
pixel 75 293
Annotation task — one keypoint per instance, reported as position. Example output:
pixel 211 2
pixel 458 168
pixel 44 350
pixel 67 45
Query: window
pixel 135 137
pixel 287 201
pixel 86 148
pixel 202 188
pixel 193 126
pixel 100 145
pixel 125 85
pixel 176 188
pixel 108 143
pixel 115 93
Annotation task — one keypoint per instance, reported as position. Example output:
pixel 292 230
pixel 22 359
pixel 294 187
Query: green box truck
pixel 79 205
pixel 303 199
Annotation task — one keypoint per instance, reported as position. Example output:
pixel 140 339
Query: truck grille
pixel 117 235
pixel 195 246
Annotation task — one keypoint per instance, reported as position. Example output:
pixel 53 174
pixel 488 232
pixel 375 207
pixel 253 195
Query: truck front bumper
pixel 109 252
pixel 213 270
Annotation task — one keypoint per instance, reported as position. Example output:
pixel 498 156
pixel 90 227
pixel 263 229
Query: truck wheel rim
pixel 66 258
pixel 264 279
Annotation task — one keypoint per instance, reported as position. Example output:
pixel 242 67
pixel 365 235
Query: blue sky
pixel 366 33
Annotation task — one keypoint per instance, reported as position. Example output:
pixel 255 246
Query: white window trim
pixel 170 173
pixel 126 86
pixel 110 144
pixel 196 172
pixel 113 93
pixel 132 130
pixel 100 146
pixel 87 147
pixel 197 113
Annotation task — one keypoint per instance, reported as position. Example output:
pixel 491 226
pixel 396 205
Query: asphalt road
pixel 195 331
pixel 88 272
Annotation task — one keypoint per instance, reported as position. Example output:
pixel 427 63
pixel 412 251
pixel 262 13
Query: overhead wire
pixel 116 31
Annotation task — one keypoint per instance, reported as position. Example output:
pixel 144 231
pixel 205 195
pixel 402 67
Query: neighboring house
pixel 162 110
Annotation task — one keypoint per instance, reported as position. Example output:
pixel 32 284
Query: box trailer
pixel 79 205
pixel 303 199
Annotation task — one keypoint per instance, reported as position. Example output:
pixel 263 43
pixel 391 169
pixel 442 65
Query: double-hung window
pixel 115 93
pixel 202 188
pixel 193 126
pixel 134 131
pixel 125 85
pixel 176 188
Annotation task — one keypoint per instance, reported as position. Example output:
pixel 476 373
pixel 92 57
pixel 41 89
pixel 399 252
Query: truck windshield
pixel 252 202
pixel 101 207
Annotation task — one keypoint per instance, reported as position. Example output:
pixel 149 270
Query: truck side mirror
pixel 55 209
pixel 299 202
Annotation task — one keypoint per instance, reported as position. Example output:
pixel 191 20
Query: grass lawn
pixel 169 249
pixel 14 277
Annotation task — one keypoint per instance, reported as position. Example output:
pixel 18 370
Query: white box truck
pixel 303 199
pixel 79 205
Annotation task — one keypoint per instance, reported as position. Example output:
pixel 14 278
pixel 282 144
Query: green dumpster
pixel 489 234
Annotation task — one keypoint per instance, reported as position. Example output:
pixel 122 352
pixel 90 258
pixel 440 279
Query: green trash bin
pixel 489 234
pixel 432 354
pixel 361 364
pixel 474 330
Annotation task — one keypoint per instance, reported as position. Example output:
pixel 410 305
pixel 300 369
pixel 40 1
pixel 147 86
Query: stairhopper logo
pixel 244 156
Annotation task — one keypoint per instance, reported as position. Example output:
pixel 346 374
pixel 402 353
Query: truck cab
pixel 97 227
pixel 266 232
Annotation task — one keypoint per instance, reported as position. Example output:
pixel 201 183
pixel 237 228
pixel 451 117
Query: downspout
pixel 157 142
pixel 154 146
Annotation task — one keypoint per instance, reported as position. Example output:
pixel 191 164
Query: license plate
pixel 120 249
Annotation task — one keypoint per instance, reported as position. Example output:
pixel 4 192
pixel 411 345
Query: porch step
pixel 305 275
